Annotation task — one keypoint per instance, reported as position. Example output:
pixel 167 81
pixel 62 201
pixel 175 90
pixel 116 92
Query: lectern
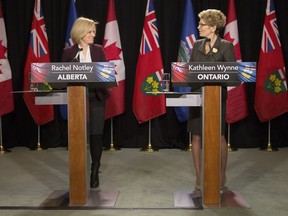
pixel 211 77
pixel 76 77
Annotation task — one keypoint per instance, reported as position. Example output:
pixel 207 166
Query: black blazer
pixel 97 55
pixel 222 51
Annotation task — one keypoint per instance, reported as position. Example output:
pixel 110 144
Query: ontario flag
pixel 236 106
pixel 6 97
pixel 147 104
pixel 188 37
pixel 271 98
pixel 38 51
pixel 115 104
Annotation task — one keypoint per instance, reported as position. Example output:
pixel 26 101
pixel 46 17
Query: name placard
pixel 61 74
pixel 224 73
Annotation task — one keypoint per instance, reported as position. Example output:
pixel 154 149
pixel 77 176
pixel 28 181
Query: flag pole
pixel 230 149
pixel 269 147
pixel 2 150
pixel 111 148
pixel 38 148
pixel 149 147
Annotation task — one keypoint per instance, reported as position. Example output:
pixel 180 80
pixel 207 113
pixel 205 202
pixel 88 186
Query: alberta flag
pixel 271 97
pixel 147 104
pixel 68 42
pixel 115 104
pixel 71 19
pixel 236 106
pixel 6 96
pixel 38 51
pixel 188 37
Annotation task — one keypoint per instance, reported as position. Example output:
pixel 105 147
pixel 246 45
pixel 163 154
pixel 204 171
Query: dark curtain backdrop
pixel 18 126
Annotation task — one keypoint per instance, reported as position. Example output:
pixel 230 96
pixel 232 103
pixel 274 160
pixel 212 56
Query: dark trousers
pixel 96 147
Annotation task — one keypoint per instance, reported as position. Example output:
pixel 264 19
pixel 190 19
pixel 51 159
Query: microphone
pixel 77 54
pixel 207 40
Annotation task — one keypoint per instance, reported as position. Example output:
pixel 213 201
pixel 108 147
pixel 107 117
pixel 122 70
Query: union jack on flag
pixel 38 35
pixel 270 38
pixel 150 37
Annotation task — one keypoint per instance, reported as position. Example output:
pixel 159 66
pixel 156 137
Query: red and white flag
pixel 115 104
pixel 236 106
pixel 271 96
pixel 149 72
pixel 6 96
pixel 38 51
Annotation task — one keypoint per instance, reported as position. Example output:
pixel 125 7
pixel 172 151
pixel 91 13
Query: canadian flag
pixel 236 106
pixel 6 97
pixel 115 104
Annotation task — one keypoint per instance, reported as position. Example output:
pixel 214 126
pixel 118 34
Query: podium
pixel 211 77
pixel 76 77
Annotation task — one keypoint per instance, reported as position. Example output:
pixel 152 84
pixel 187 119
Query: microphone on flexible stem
pixel 208 40
pixel 77 54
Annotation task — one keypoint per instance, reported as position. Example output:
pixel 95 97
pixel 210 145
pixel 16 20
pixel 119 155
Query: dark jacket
pixel 222 51
pixel 97 55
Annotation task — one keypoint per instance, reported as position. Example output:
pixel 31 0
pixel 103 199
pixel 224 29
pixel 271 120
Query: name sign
pixel 61 74
pixel 224 73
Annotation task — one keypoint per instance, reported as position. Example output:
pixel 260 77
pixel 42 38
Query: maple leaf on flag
pixel 112 51
pixel 236 45
pixel 229 38
pixel 3 50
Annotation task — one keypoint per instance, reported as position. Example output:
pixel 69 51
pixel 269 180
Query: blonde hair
pixel 213 17
pixel 80 27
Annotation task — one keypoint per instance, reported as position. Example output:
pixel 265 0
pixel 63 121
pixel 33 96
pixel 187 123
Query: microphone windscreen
pixel 207 40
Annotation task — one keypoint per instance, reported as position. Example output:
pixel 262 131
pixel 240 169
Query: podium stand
pixel 76 77
pixel 211 140
pixel 211 77
pixel 77 139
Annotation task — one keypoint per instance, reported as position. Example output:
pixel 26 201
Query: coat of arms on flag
pixel 152 84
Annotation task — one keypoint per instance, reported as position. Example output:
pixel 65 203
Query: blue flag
pixel 68 42
pixel 188 37
pixel 71 19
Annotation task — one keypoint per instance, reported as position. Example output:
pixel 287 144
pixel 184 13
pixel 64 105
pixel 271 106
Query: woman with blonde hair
pixel 83 33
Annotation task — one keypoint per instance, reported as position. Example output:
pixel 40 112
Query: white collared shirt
pixel 86 58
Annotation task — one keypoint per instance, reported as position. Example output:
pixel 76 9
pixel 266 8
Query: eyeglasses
pixel 202 24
